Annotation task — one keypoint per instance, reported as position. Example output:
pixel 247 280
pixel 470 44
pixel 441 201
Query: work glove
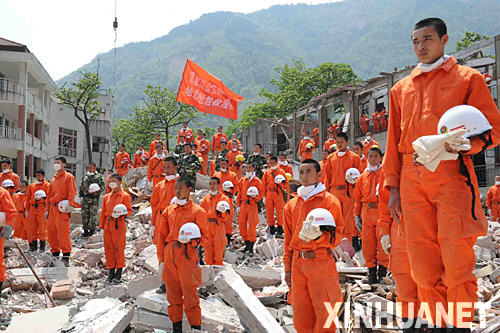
pixel 385 241
pixel 309 231
pixel 358 222
pixel 264 200
pixel 152 231
pixel 160 269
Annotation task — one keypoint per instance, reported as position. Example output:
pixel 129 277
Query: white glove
pixel 264 200
pixel 385 241
pixel 47 214
pixel 309 231
pixel 152 231
pixel 160 269
pixel 26 214
pixel 238 210
pixel 358 223
pixel 489 212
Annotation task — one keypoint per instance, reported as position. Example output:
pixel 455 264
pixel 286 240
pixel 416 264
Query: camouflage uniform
pixel 90 201
pixel 179 149
pixel 259 161
pixel 188 167
pixel 221 154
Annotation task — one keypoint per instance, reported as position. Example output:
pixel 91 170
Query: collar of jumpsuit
pixel 316 190
pixel 435 65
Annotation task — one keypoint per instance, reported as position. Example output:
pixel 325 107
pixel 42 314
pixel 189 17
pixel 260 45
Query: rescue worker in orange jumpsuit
pixel 368 142
pixel 493 200
pixel 114 227
pixel 328 143
pixel 7 173
pixel 335 129
pixel 383 118
pixel 154 143
pixel 141 157
pixel 487 78
pixel 8 209
pixel 110 173
pixel 248 217
pixel 155 167
pixel 203 146
pixel 216 237
pixel 21 221
pixel 62 187
pixel 284 164
pixel 225 174
pixel 365 124
pixel 306 146
pixel 366 217
pixel 323 165
pixel 187 132
pixel 234 138
pixel 376 121
pixel 276 194
pixel 217 138
pixel 441 210
pixel 358 150
pixel 37 206
pixel 179 261
pixel 234 165
pixel 310 270
pixel 393 242
pixel 122 161
pixel 315 133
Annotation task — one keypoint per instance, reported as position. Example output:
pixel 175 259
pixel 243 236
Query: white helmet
pixel 464 117
pixel 351 175
pixel 321 216
pixel 119 210
pixel 94 188
pixel 173 200
pixel 253 191
pixel 64 206
pixel 8 183
pixel 279 179
pixel 310 145
pixel 223 206
pixel 40 194
pixel 227 186
pixel 189 231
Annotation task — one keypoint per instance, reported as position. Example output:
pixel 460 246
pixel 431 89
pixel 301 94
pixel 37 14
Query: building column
pixel 20 153
pixel 30 166
pixel 31 129
pixel 40 133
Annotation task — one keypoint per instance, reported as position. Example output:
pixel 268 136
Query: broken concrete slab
pixel 76 233
pixel 253 315
pixel 23 278
pixel 97 238
pixel 76 217
pixel 258 279
pixel 145 321
pixel 141 243
pixel 485 242
pixel 94 245
pixel 53 320
pixel 148 258
pixel 152 301
pixel 230 257
pixel 118 292
pixel 495 276
pixel 89 257
pixel 145 215
pixel 63 289
pixel 484 271
pixel 137 287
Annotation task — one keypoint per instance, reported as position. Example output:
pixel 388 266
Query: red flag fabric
pixel 207 93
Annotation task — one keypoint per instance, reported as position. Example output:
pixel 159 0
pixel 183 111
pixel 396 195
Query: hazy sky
pixel 66 34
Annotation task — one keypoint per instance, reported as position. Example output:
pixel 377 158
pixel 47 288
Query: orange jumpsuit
pixel 122 162
pixel 152 147
pixel 314 280
pixel 62 187
pixel 211 171
pixel 328 143
pixel 315 133
pixel 225 176
pixel 140 160
pixel 37 222
pixel 182 272
pixel 365 124
pixel 203 146
pixel 367 146
pixel 230 144
pixel 188 134
pixel 399 263
pixel 493 201
pixel 249 215
pixel 21 222
pixel 155 169
pixel 216 142
pixel 114 229
pixel 274 196
pixel 287 168
pixel 216 237
pixel 338 186
pixel 334 128
pixel 376 121
pixel 440 222
pixel 303 151
pixel 7 206
pixel 365 205
pixel 108 189
pixel 383 120
pixel 324 171
pixel 233 165
pixel 12 176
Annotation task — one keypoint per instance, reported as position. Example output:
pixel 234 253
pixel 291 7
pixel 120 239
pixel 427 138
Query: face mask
pixel 57 166
pixel 430 67
pixel 6 171
pixel 497 183
pixel 373 168
pixel 306 138
pixel 113 185
pixel 283 162
pixel 235 149
pixel 249 174
pixel 181 202
pixel 90 173
pixel 303 191
pixel 37 182
pixel 223 170
pixel 170 177
pixel 368 138
pixel 214 192
pixel 341 153
pixel 274 167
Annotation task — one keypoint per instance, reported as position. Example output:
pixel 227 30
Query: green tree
pixel 82 98
pixel 469 39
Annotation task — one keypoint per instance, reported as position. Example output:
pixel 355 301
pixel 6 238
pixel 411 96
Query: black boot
pixel 91 232
pixel 85 234
pixel 56 254
pixel 272 229
pixel 228 237
pixel 1 285
pixel 279 233
pixel 111 275
pixel 382 272
pixel 42 246
pixel 247 246
pixel 177 327
pixel 372 275
pixel 162 289
pixel 65 258
pixel 250 248
pixel 356 244
pixel 196 327
pixel 33 246
pixel 118 276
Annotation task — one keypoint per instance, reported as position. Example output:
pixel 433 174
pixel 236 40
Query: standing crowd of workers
pixel 399 211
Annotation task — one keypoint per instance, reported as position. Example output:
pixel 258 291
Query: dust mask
pixel 497 183
pixel 283 162
pixel 223 170
pixel 181 202
pixel 372 168
pixel 368 138
pixel 214 192
pixel 274 167
pixel 57 166
pixel 113 185
pixel 235 149
pixel 6 171
pixel 90 173
pixel 170 177
pixel 303 191
pixel 249 174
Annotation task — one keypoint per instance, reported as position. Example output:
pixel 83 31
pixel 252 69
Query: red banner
pixel 207 93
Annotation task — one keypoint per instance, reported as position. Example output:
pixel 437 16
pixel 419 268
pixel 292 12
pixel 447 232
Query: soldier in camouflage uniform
pixel 179 148
pixel 221 154
pixel 90 201
pixel 258 160
pixel 189 163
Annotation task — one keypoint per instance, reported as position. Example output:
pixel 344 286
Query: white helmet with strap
pixel 351 175
pixel 464 117
pixel 227 185
pixel 223 206
pixel 321 216
pixel 253 191
pixel 279 179
pixel 94 188
pixel 40 194
pixel 119 210
pixel 8 183
pixel 188 232
pixel 64 206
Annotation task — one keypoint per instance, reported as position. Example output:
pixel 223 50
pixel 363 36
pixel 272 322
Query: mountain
pixel 243 50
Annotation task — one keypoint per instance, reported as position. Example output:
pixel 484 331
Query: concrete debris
pixel 96 238
pixel 149 259
pixel 53 320
pixel 138 286
pixel 76 233
pixel 145 215
pixel 90 257
pixel 23 278
pixel 258 279
pixel 76 217
pixel 63 289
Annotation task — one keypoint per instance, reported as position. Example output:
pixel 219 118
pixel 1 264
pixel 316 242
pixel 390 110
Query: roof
pixel 330 93
pixel 8 45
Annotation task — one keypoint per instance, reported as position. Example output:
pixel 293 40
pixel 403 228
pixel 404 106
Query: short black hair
pixel 282 154
pixel 116 176
pixel 185 180
pixel 376 149
pixel 182 136
pixel 343 135
pixel 357 143
pixel 5 161
pixel 437 23
pixel 110 170
pixel 316 164
pixel 215 178
pixel 25 182
pixel 170 159
pixel 93 164
pixel 223 160
pixel 141 145
pixel 62 159
pixel 40 171
pixel 250 163
pixel 274 158
pixel 258 144
pixel 122 145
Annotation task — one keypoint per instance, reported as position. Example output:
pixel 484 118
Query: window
pixel 71 168
pixel 67 142
pixel 99 144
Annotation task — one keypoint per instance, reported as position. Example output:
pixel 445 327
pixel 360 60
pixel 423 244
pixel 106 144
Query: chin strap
pixel 464 171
